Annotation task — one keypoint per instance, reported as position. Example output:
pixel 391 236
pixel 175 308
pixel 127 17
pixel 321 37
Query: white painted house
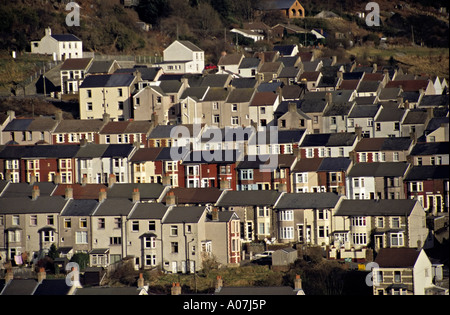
pixel 61 46
pixel 183 57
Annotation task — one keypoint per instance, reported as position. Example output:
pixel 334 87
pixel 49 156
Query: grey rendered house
pixel 362 116
pixel 306 218
pixel 382 223
pixel 255 210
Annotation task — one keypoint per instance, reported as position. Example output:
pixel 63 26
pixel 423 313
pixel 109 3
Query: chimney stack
pixel 171 199
pixel 292 107
pixel 41 275
pixel 225 184
pixel 59 115
pixel 69 192
pixel 215 214
pixel 57 179
pixel 35 193
pixel 329 98
pixel 176 289
pixel 102 195
pixel 282 187
pixel 297 283
pixel 135 195
pixel 106 117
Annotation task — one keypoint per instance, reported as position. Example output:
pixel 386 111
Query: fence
pixel 136 59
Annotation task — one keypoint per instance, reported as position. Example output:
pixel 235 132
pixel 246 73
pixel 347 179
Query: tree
pixel 82 259
pixel 53 252
pixel 151 11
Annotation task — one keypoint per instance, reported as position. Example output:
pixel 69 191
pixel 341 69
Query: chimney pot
pixel 298 282
pixel 176 289
pixel 171 199
pixel 215 214
pixel 102 195
pixel 111 180
pixel 41 275
pixel 140 283
pixel 69 192
pixel 135 196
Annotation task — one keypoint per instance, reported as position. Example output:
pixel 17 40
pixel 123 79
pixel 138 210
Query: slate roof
pixel 390 114
pixel 146 190
pixel 190 45
pixel 434 100
pixel 427 172
pixel 329 139
pixel 49 287
pixel 79 125
pixel 249 62
pixel 195 195
pixel 66 38
pixel 415 117
pixel 383 144
pixel 284 49
pixel 389 93
pixel 76 64
pixel 39 151
pixel 18 124
pixel 254 290
pixel 145 154
pixel 307 165
pixel 24 189
pixel 91 150
pixel 108 291
pixel 374 207
pixel 248 198
pixel 197 93
pixel 230 59
pixel 244 83
pixel 307 201
pixel 212 157
pixel 126 127
pixel 114 207
pixel 378 169
pixel 334 164
pixel 430 148
pixel 363 111
pixel 107 80
pixel 145 210
pixel 408 85
pixel 241 95
pixel 20 287
pixel 397 257
pixel 88 191
pixel 80 207
pixel 43 204
pixel 118 150
pixel 184 215
pixel 216 94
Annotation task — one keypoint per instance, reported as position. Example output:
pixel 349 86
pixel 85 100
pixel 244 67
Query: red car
pixel 210 67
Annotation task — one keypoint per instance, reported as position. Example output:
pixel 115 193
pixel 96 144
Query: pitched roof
pixel 375 207
pixel 50 287
pixel 195 195
pixel 88 191
pixel 390 113
pixel 147 191
pixel 397 257
pixel 241 95
pixel 66 38
pixel 427 172
pixel 408 85
pixel 230 59
pixel 329 139
pixel 20 287
pixel 79 125
pixel 307 201
pixel 24 189
pixel 76 63
pixel 330 164
pixel 363 111
pixel 145 210
pixel 21 205
pixel 430 148
pixel 264 99
pixel 248 198
pixel 378 169
pixel 107 80
pixel 307 165
pixel 310 75
pixel 91 150
pixel 189 45
pixel 80 207
pixel 114 207
pixel 184 215
pixel 118 150
pixel 383 144
pixel 40 151
pixel 145 154
pixel 108 291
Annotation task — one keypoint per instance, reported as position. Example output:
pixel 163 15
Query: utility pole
pixel 412 34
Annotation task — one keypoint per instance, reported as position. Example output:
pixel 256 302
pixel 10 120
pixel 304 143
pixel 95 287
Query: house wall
pixel 110 97
pixel 69 234
pixel 101 237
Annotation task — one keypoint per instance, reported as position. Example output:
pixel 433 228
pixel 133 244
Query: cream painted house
pixel 61 46
pixel 183 57
pixel 109 93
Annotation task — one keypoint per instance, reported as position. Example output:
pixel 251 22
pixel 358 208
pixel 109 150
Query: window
pixel 322 214
pixel 67 223
pixel 48 236
pixel 309 153
pixel 246 174
pixel 358 221
pixel 419 161
pixel 356 182
pixel 149 242
pixel 363 157
pixel 120 92
pixel 173 230
pixel 302 178
pixel 359 238
pixel 89 106
pixel 263 211
pixel 235 120
pixel 101 223
pixel 89 93
pixel 83 223
pixel 50 220
pixel 117 223
pixel 396 157
pixel 287 232
pixel 287 215
pixel 150 260
pixel 81 237
pixel 396 239
pixel 234 107
pixel 14 236
pixel 116 240
pixel 120 105
pixel 151 225
pixel 416 186
pixel 16 220
pixel 395 222
pixel 377 127
pixel 33 220
pixel 215 105
pixel 174 247
pixel 396 126
pixel 333 120
pixel 135 226
pixel 216 119
pixel 323 231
